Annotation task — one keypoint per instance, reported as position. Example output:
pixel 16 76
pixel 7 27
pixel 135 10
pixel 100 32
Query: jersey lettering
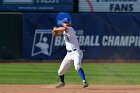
pixel 67 38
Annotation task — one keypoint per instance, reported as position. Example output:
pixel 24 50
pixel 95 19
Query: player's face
pixel 65 24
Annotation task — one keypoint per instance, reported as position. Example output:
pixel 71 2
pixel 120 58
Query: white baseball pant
pixel 70 58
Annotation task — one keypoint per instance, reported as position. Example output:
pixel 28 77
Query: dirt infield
pixel 6 88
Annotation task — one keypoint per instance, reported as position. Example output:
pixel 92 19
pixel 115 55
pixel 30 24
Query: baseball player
pixel 73 52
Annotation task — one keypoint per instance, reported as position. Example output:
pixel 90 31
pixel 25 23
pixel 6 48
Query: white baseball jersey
pixel 70 39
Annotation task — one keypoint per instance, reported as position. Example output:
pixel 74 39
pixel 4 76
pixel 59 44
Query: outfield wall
pixel 100 35
pixel 10 35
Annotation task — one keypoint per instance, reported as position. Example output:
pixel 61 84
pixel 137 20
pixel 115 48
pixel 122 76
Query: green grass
pixel 46 73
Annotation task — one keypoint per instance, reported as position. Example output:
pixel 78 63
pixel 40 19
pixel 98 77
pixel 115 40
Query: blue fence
pixel 100 35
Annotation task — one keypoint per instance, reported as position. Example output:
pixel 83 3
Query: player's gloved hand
pixel 55 33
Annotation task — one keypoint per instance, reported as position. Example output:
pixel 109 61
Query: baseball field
pixel 42 78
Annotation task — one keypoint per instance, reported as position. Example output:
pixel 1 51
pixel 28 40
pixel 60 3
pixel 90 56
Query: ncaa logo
pixel 42 43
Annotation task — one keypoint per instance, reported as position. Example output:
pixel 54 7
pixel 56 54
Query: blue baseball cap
pixel 66 20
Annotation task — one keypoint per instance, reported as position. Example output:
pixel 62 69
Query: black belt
pixel 71 50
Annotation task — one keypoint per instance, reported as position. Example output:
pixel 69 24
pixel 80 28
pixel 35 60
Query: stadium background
pixel 107 30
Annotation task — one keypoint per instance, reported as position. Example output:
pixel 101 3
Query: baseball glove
pixel 55 33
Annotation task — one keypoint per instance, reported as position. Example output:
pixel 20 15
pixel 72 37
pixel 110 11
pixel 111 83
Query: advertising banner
pixel 109 5
pixel 36 5
pixel 38 41
pixel 100 35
